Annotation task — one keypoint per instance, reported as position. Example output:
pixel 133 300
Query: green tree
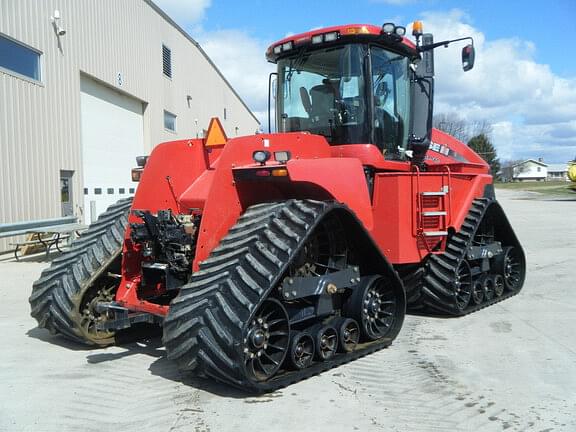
pixel 481 144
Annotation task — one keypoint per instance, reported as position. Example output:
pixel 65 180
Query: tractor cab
pixel 357 84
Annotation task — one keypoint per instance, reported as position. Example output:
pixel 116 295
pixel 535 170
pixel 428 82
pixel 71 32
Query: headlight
pixel 388 28
pixel 261 156
pixel 400 31
pixel 316 39
pixel 330 37
pixel 282 156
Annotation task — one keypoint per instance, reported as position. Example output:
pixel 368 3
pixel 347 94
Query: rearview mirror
pixel 468 54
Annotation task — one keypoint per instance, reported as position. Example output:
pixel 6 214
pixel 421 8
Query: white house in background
pixel 558 172
pixel 529 170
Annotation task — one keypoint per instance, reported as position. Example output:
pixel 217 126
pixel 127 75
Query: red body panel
pixel 172 167
pixel 220 183
pixel 446 150
pixel 342 179
pixel 369 155
pixel 395 209
pixel 226 200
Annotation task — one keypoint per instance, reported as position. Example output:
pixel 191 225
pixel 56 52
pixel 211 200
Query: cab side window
pixel 390 90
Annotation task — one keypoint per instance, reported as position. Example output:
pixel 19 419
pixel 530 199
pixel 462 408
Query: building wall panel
pixel 40 123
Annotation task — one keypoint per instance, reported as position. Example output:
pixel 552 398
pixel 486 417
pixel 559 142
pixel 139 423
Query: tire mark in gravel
pixel 124 395
pixel 403 388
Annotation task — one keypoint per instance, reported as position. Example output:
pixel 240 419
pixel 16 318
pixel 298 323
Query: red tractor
pixel 272 257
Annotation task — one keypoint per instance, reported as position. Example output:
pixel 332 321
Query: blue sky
pixel 550 25
pixel 524 81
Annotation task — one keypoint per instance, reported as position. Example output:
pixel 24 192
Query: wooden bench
pixel 45 233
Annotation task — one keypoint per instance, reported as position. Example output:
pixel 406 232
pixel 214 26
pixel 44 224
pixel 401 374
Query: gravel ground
pixel 509 367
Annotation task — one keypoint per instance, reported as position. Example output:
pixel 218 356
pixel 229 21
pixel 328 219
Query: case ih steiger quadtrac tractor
pixel 272 257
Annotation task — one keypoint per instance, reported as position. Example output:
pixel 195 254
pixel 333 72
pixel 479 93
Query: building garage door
pixel 112 137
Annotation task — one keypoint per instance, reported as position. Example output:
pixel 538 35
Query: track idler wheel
pixel 463 285
pixel 376 307
pixel 348 335
pixel 326 341
pixel 266 341
pixel 512 267
pixel 301 352
pixel 89 315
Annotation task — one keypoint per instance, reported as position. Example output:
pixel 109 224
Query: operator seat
pixel 386 131
pixel 323 101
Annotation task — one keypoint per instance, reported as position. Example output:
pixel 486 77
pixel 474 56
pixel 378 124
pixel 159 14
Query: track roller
pixel 302 350
pixel 499 285
pixel 326 341
pixel 477 292
pixel 488 285
pixel 348 334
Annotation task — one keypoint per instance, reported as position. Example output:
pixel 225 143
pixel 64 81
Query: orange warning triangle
pixel 216 135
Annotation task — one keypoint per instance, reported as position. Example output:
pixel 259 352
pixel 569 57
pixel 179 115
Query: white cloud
pixel 531 108
pixel 240 57
pixel 184 12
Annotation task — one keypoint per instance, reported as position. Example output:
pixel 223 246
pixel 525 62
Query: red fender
pixel 349 187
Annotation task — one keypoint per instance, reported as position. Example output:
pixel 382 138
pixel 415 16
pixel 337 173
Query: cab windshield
pixel 331 92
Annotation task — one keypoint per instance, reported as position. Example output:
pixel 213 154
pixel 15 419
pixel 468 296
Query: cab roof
pixel 344 33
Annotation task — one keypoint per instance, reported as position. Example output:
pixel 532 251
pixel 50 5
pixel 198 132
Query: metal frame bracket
pixel 294 288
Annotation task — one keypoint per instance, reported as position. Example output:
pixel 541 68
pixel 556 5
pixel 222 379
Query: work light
pixel 317 39
pixel 400 31
pixel 330 37
pixel 388 28
pixel 261 156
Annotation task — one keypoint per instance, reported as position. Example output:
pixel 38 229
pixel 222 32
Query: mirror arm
pixel 445 43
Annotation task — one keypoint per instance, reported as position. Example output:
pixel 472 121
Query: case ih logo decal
pixel 439 148
pixel 446 151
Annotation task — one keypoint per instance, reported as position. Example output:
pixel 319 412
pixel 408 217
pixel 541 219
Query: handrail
pixel 449 193
pixel 418 224
pixel 17 228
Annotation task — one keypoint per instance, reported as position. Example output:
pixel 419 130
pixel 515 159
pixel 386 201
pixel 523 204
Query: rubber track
pixel 56 296
pixel 440 270
pixel 205 324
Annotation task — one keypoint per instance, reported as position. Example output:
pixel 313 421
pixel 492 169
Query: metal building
pixel 85 86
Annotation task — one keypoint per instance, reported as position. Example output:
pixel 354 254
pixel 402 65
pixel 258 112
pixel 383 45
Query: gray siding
pixel 40 122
